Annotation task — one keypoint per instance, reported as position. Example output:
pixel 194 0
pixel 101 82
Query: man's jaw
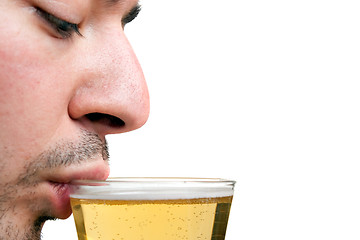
pixel 49 198
pixel 41 190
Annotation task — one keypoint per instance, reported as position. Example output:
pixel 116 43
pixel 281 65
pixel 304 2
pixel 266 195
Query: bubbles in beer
pixel 191 219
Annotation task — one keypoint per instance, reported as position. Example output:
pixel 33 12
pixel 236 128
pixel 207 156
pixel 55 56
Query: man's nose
pixel 111 94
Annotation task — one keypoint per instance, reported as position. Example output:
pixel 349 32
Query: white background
pixel 262 92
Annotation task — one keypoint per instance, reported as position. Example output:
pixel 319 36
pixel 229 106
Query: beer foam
pixel 162 189
pixel 152 194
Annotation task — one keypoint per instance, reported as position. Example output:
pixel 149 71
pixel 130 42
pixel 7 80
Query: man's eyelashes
pixel 63 28
pixel 131 15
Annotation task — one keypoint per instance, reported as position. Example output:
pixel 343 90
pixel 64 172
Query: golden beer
pixel 190 218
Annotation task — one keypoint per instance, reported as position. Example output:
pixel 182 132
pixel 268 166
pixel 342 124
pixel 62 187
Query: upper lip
pixel 92 170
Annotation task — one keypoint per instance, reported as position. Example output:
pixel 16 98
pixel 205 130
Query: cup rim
pixel 153 180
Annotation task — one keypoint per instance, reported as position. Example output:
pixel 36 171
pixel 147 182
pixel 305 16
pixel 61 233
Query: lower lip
pixel 61 200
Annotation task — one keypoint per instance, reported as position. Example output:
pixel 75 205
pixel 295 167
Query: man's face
pixel 68 77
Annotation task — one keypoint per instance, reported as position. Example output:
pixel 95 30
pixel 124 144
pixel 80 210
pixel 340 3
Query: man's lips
pixel 89 171
pixel 60 179
pixel 60 200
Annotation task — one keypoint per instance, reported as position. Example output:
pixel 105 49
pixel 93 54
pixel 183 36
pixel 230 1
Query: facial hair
pixel 63 154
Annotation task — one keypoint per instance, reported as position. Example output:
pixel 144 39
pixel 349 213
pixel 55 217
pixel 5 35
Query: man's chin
pixel 23 228
pixel 34 231
pixel 39 223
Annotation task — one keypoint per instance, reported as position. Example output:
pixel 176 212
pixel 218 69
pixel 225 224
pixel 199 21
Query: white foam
pixel 146 191
pixel 147 195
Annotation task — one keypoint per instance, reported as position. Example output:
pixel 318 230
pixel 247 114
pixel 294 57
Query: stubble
pixel 63 154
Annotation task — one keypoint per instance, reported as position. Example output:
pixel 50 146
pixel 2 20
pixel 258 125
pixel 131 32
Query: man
pixel 68 77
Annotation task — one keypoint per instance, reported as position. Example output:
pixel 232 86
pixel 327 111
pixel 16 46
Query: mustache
pixel 69 153
pixel 64 154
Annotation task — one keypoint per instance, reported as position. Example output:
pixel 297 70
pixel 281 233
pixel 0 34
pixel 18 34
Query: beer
pixel 193 219
pixel 152 217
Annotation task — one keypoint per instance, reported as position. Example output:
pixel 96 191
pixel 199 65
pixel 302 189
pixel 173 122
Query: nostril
pixel 106 119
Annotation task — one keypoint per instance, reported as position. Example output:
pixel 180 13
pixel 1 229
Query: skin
pixel 59 97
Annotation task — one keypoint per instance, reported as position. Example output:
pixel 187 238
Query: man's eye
pixel 131 15
pixel 63 28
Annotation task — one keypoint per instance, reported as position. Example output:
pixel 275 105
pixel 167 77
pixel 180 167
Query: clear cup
pixel 152 208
